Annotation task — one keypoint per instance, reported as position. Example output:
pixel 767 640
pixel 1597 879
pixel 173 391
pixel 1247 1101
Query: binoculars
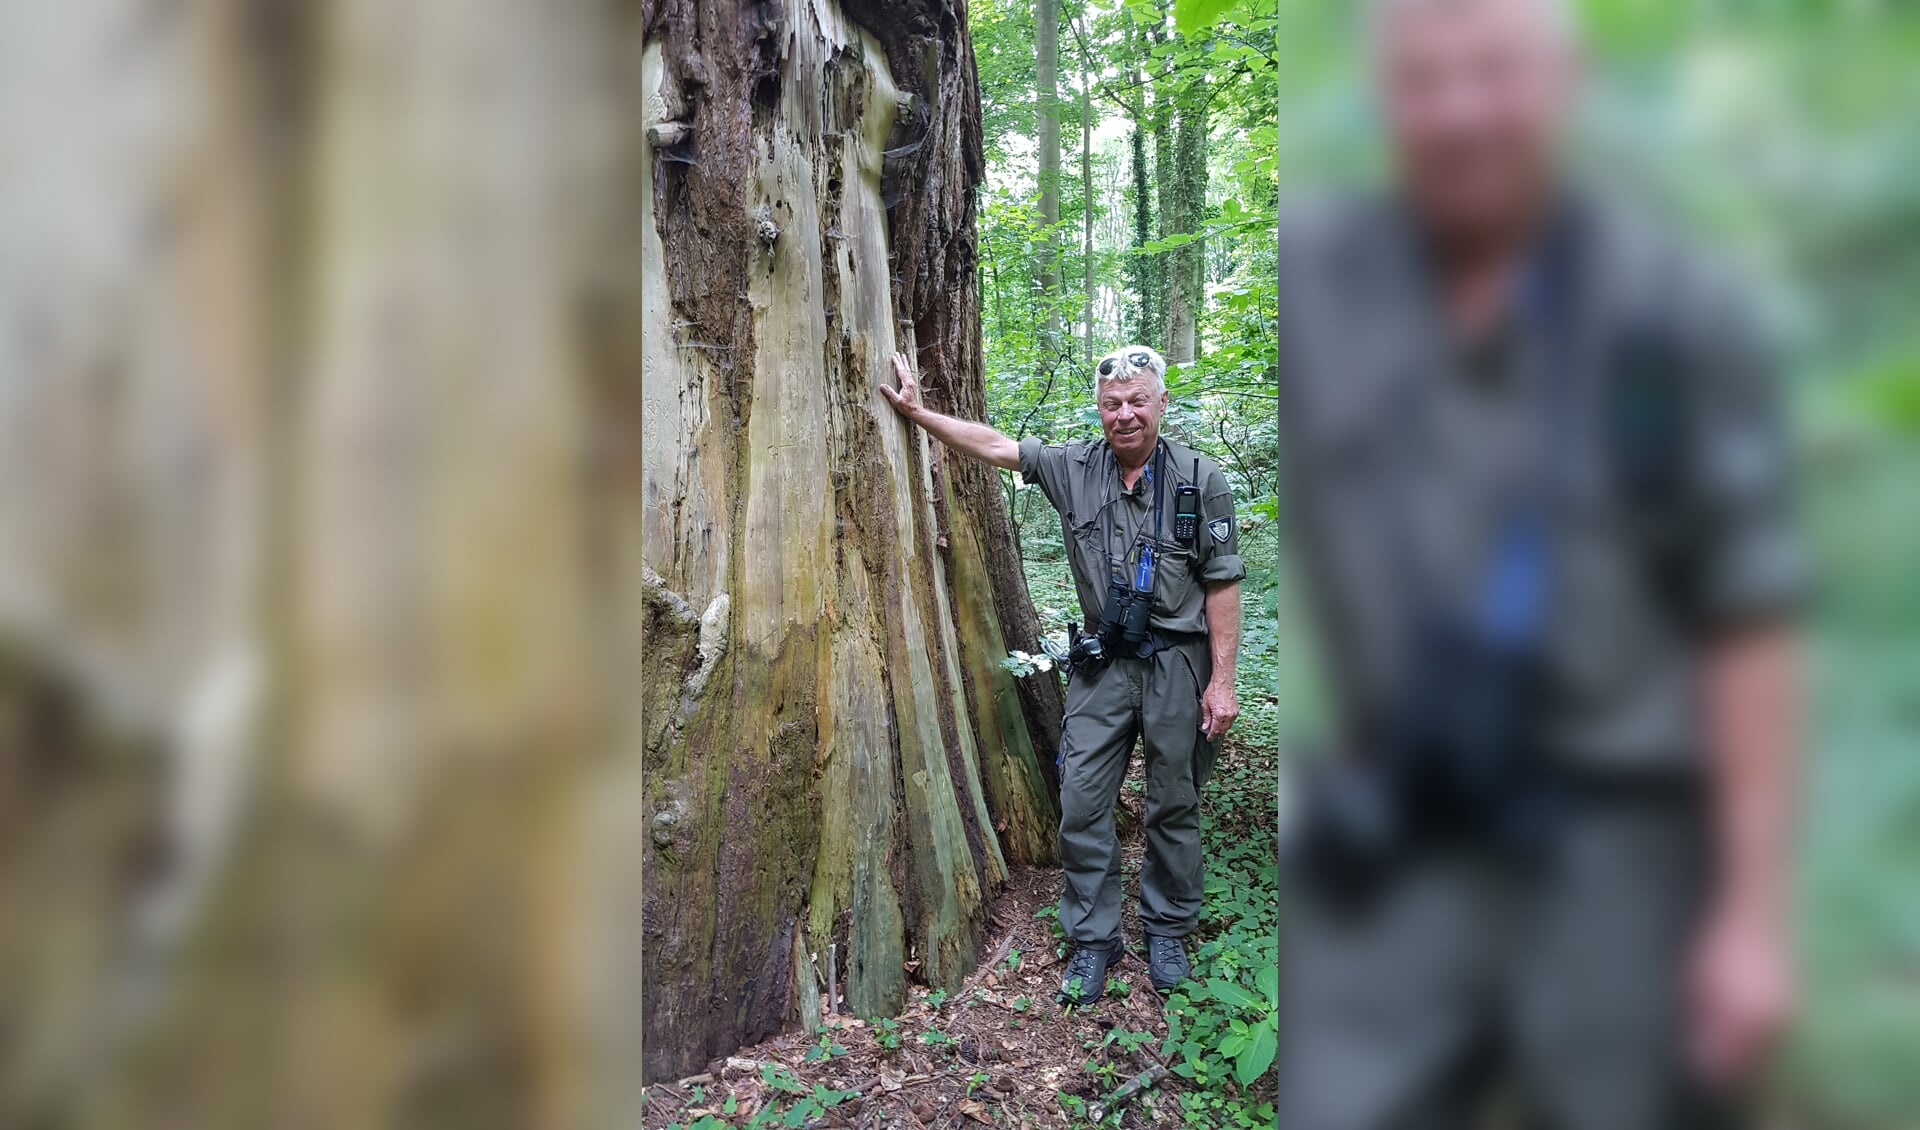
pixel 1455 757
pixel 1123 621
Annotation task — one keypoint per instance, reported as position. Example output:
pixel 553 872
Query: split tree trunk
pixel 834 755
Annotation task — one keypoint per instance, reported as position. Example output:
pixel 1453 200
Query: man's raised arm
pixel 964 436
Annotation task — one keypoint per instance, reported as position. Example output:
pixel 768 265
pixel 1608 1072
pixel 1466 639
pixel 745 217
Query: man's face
pixel 1130 410
pixel 1474 92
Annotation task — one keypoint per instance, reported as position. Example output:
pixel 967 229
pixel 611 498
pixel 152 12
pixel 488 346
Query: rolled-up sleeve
pixel 1044 466
pixel 1219 532
pixel 1751 562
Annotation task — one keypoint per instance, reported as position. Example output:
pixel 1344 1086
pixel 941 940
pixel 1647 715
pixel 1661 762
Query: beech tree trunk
pixel 836 761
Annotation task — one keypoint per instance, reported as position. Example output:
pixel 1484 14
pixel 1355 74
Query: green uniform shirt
pixel 1401 448
pixel 1104 525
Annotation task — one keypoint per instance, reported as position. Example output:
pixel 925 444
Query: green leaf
pixel 1194 16
pixel 1254 1059
pixel 1230 994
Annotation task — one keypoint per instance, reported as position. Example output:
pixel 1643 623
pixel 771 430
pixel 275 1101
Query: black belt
pixel 1159 640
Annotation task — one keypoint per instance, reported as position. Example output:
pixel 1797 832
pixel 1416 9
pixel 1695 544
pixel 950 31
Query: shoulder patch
pixel 1220 528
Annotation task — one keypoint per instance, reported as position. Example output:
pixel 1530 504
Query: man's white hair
pixel 1120 365
pixel 1559 17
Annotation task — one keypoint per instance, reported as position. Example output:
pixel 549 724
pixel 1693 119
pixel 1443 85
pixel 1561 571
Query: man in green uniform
pixel 1155 552
pixel 1539 478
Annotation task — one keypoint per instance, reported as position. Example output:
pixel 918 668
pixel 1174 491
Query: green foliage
pixel 825 1049
pixel 797 1104
pixel 1194 16
pixel 1222 1024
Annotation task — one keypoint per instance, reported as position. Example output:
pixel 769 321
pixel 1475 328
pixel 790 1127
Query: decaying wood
pixel 842 773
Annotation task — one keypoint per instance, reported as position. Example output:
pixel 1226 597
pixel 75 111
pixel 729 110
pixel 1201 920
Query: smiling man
pixel 1155 552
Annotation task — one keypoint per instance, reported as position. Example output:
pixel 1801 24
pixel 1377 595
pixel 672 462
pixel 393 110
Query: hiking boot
pixel 1167 963
pixel 1086 976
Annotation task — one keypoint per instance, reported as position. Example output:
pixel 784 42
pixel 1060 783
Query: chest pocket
pixel 1175 565
pixel 1087 547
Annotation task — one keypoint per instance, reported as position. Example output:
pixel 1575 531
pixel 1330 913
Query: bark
pixel 834 755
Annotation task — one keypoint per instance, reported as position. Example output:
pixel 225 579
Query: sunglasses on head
pixel 1138 359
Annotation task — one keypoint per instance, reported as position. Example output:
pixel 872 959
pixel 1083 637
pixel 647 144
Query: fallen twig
pixel 1127 1091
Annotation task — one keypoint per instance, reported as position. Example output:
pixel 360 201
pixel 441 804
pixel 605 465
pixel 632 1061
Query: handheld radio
pixel 1186 508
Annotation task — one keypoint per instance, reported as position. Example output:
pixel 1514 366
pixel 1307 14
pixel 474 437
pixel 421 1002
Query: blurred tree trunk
pixel 330 446
pixel 836 761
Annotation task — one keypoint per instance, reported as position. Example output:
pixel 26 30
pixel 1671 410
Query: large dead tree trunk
pixel 836 761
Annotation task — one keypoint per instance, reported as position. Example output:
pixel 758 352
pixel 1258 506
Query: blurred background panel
pixel 1782 133
pixel 313 765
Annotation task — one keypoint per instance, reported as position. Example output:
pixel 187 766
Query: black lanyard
pixel 1513 588
pixel 1155 473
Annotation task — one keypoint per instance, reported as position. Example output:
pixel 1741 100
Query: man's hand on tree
pixel 907 399
pixel 1219 706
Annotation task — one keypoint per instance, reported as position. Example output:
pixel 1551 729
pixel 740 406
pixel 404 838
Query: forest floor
pixel 1000 1050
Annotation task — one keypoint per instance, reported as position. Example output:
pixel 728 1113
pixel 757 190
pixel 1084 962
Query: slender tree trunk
pixel 835 755
pixel 1086 200
pixel 1046 71
pixel 1187 267
pixel 1141 269
pixel 1167 202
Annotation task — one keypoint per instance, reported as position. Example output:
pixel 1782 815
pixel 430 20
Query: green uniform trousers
pixel 1157 700
pixel 1555 986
